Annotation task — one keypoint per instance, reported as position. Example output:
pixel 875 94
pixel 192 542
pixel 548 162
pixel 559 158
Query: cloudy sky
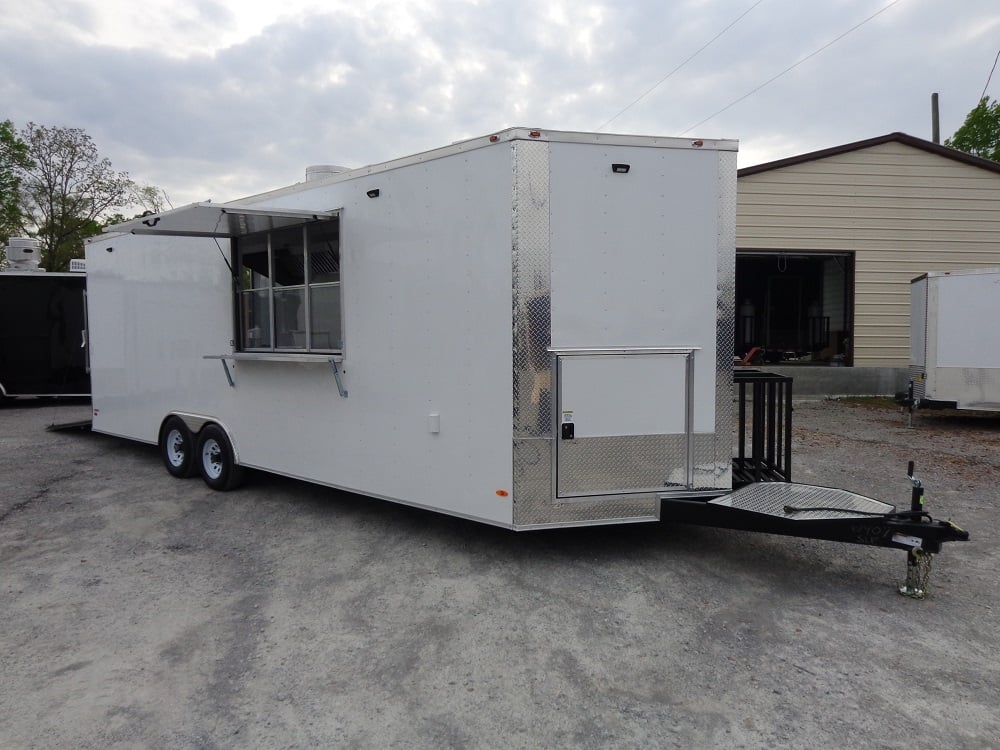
pixel 218 99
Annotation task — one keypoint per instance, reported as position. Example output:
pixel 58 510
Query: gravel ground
pixel 141 611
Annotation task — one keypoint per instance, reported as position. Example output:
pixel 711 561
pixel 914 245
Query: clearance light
pixel 502 493
pixel 494 138
pixel 535 134
pixel 697 144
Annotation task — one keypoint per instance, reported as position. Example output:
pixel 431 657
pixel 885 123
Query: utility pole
pixel 935 119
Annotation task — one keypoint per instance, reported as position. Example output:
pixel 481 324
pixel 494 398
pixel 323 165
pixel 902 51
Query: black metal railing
pixel 764 444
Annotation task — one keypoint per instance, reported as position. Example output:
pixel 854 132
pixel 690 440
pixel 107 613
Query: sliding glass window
pixel 289 289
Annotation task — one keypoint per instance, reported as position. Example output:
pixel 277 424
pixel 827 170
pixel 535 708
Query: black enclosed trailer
pixel 43 339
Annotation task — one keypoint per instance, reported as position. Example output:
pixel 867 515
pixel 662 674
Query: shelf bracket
pixel 336 376
pixel 229 375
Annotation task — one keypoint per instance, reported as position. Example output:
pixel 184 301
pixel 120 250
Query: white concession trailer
pixel 531 328
pixel 955 339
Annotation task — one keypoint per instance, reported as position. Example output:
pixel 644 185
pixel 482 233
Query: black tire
pixel 177 448
pixel 215 459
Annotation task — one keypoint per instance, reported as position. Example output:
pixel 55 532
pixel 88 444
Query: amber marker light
pixel 697 144
pixel 494 138
pixel 535 134
pixel 502 493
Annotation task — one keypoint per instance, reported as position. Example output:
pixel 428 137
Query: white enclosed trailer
pixel 532 328
pixel 955 339
pixel 529 329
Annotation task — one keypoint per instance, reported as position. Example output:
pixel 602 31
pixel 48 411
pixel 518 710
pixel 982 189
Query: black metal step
pixel 83 424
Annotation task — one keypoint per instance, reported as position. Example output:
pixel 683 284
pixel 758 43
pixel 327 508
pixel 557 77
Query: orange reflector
pixel 698 144
pixel 502 493
pixel 535 134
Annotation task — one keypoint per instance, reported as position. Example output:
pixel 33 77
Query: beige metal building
pixel 827 243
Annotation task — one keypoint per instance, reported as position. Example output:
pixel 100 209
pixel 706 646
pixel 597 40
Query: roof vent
pixel 322 171
pixel 23 254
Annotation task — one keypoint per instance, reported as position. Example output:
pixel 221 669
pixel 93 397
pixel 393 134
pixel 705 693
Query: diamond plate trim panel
pixel 721 477
pixel 531 278
pixel 980 387
pixel 625 463
pixel 916 374
pixel 773 498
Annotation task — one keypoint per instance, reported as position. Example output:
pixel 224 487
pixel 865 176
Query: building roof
pixel 909 140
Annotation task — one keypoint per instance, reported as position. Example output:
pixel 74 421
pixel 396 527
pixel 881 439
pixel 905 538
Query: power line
pixel 990 78
pixel 656 85
pixel 791 67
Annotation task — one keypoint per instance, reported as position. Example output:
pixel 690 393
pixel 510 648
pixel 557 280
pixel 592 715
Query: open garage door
pixel 795 307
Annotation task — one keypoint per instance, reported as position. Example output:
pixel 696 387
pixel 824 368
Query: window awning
pixel 218 220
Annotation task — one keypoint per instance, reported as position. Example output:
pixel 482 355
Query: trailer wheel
pixel 177 448
pixel 215 459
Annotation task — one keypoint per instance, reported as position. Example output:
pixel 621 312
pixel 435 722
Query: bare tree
pixel 151 198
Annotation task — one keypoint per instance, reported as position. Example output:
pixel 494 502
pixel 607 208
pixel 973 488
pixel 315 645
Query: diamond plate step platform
pixel 802 502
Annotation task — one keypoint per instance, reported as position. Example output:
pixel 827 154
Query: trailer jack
pixel 837 515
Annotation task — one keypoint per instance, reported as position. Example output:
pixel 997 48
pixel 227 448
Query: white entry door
pixel 625 421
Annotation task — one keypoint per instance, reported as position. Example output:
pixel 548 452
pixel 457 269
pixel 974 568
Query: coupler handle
pixel 917 493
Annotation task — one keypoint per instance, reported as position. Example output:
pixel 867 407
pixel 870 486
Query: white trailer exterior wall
pixel 478 273
pixel 955 339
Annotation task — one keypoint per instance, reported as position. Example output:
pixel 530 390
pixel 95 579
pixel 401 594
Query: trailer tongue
pixel 827 513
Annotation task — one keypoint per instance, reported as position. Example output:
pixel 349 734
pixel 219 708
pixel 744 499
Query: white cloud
pixel 220 99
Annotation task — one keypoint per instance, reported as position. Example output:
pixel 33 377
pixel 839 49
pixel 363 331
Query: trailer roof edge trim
pixel 218 220
pixel 500 137
pixel 959 272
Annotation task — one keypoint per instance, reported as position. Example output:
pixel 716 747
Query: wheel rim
pixel 211 458
pixel 176 450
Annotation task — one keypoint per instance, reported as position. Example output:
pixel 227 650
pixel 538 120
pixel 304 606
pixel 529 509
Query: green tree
pixel 66 190
pixel 980 133
pixel 13 160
